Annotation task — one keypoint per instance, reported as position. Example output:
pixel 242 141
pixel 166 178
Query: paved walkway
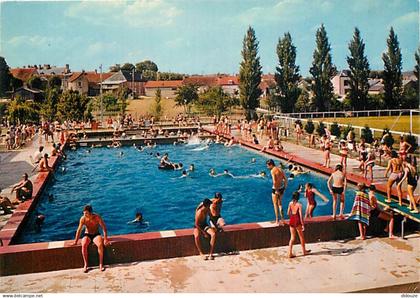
pixel 333 267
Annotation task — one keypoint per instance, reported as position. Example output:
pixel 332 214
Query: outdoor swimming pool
pixel 118 186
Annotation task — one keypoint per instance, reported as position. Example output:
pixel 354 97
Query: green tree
pixel 15 83
pixel 48 109
pixel 321 129
pixel 115 68
pixel 410 97
pixel 170 76
pixel 322 71
pixel 5 77
pixel 157 109
pixel 214 101
pixel 335 129
pixel 127 66
pixel 20 111
pixel 359 72
pixel 146 65
pixel 122 99
pixel 392 72
pixel 54 82
pixel 72 106
pixel 149 75
pixel 287 74
pixel 310 127
pixel 417 66
pixel 303 103
pixel 186 95
pixel 376 102
pixel 250 74
pixel 35 82
pixel 367 134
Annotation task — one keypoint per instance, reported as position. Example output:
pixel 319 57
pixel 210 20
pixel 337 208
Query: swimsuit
pixel 412 179
pixel 279 191
pixel 375 212
pixel 338 190
pixel 395 176
pixel 310 196
pixel 91 236
pixel 294 220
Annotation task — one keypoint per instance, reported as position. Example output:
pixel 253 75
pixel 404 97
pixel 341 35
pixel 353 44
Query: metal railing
pixel 289 122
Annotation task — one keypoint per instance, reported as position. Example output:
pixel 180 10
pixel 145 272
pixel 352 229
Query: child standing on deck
pixel 296 223
pixel 361 210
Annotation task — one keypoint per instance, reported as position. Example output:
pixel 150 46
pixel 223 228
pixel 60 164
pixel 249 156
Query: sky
pixel 198 36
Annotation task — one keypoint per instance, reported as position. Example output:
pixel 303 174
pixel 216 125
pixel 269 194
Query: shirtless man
pixel 395 164
pixel 216 220
pixel 278 189
pixel 202 228
pixel 23 189
pixel 43 164
pixel 338 188
pixel 92 222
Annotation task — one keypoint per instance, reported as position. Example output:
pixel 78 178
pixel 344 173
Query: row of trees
pixel 289 97
pixel 149 71
pixel 213 101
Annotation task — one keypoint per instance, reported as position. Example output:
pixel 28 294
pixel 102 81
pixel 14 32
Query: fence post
pixel 411 121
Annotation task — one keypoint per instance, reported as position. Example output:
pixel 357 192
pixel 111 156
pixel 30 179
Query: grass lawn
pixel 142 107
pixel 403 124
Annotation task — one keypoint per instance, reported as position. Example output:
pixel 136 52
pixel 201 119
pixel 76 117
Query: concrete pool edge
pixel 60 255
pixel 48 256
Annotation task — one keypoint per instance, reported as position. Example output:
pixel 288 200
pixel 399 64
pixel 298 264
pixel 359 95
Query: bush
pixel 321 129
pixel 387 138
pixel 412 140
pixel 335 130
pixel 309 127
pixel 367 134
pixel 346 130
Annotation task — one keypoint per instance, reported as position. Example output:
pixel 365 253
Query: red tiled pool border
pixel 57 255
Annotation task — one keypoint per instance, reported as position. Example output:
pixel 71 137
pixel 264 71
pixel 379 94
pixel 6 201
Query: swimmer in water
pixel 139 218
pixel 121 153
pixel 191 168
pixel 39 221
pixel 88 151
pixel 212 173
pixel 291 177
pixel 253 160
pixel 184 174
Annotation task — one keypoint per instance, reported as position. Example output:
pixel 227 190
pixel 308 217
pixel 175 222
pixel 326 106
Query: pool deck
pixel 351 265
pixel 373 265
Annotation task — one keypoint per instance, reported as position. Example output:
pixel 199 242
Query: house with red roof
pixel 229 84
pixel 24 74
pixel 167 88
pixel 86 83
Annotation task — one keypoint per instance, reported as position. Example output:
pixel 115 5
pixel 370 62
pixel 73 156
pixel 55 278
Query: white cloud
pixel 285 11
pixel 35 42
pixel 99 47
pixel 410 18
pixel 139 13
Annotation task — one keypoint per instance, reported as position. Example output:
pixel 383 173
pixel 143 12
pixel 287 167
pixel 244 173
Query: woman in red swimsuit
pixel 296 224
pixel 310 193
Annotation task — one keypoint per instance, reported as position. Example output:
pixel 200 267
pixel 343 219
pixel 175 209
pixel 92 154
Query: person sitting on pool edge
pixel 201 228
pixel 91 221
pixel 23 189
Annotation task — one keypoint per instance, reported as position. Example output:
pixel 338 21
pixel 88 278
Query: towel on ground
pixel 361 208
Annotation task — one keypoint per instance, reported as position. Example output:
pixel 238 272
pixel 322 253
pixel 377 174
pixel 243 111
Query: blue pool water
pixel 117 186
